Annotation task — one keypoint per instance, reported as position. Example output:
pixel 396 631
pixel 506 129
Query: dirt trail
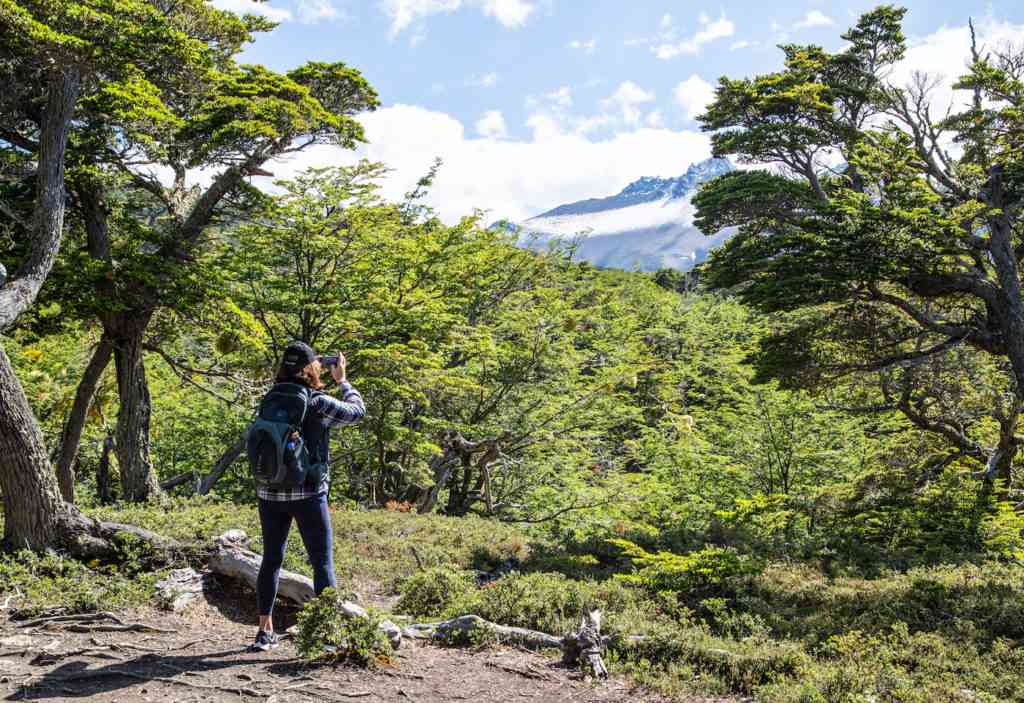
pixel 201 656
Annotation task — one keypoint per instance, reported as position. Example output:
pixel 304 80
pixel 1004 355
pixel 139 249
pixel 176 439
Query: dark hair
pixel 308 376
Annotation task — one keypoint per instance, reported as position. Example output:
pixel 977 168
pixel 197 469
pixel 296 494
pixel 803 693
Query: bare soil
pixel 202 655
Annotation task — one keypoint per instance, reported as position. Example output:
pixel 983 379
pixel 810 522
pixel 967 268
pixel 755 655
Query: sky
pixel 535 103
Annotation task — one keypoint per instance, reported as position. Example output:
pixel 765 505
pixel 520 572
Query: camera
pixel 328 361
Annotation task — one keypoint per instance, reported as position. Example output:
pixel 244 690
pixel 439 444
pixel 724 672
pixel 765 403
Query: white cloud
pixel 627 99
pixel 511 178
pixel 251 7
pixel 814 18
pixel 314 11
pixel 655 119
pixel 711 30
pixel 591 124
pixel 742 44
pixel 492 125
pixel 511 13
pixel 694 95
pixel 561 97
pixel 406 13
pixel 487 80
pixel 587 47
pixel 544 126
pixel 945 54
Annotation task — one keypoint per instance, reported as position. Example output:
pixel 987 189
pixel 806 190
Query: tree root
pixel 104 622
pixel 101 673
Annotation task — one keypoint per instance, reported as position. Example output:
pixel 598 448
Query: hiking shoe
pixel 265 641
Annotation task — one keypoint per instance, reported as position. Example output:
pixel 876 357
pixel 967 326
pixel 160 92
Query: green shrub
pixel 435 591
pixel 550 603
pixel 325 632
pixel 43 583
pixel 904 667
pixel 704 572
pixel 724 665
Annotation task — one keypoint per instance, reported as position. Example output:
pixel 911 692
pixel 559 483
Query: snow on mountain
pixel 649 225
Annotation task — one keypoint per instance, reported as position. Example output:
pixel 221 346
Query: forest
pixel 790 475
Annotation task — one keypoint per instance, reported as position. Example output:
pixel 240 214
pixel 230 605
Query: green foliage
pixel 551 602
pixel 788 632
pixel 40 584
pixel 541 601
pixel 326 632
pixel 434 591
pixel 903 667
pixel 898 268
pixel 712 665
pixel 708 570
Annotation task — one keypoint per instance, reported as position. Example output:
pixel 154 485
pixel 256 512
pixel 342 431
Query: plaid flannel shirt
pixel 333 412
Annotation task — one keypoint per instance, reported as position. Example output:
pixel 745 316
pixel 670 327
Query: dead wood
pixel 179 480
pixel 587 645
pixel 230 455
pixel 584 647
pixel 183 587
pixel 458 629
pixel 231 560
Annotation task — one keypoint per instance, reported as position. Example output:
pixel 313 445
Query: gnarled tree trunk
pixel 71 437
pixel 34 512
pixel 138 479
pixel 33 507
pixel 48 214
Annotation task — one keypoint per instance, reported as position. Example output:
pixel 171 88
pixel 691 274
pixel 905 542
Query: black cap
pixel 297 356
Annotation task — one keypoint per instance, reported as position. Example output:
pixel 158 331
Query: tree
pixel 50 56
pixel 144 238
pixel 907 251
pixel 484 366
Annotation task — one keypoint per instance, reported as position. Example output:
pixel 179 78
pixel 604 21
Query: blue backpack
pixel 278 455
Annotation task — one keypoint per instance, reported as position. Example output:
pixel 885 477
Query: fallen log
pixel 232 560
pixel 470 626
pixel 585 646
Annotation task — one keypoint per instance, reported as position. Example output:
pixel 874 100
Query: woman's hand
pixel 338 372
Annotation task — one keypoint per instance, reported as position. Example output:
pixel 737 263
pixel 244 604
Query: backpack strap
pixel 307 397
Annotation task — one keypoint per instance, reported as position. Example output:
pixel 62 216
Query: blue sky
pixel 536 102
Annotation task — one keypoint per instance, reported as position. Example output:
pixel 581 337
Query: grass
pixel 786 634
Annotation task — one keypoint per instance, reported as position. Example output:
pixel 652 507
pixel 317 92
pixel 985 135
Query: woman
pixel 308 504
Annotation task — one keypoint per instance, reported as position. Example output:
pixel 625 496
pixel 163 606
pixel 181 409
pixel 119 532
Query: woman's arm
pixel 335 412
pixel 349 408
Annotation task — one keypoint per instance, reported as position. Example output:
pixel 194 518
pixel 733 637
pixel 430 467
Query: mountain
pixel 648 226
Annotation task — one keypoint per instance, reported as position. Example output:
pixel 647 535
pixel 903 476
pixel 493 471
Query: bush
pixel 697 573
pixel 43 583
pixel 555 604
pixel 723 665
pixel 435 591
pixel 325 632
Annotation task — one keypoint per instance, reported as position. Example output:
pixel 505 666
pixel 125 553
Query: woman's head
pixel 299 364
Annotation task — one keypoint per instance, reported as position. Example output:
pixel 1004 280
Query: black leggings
pixel 315 527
